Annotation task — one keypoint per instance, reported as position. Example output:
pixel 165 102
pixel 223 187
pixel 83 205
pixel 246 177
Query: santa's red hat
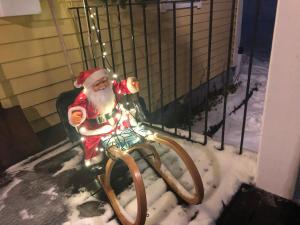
pixel 88 77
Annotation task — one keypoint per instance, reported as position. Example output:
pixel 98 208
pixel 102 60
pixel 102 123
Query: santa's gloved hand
pixel 76 117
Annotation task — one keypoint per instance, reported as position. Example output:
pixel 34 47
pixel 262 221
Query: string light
pixel 127 133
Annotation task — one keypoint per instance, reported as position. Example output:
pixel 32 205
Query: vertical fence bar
pixel 227 72
pixel 86 8
pixel 121 42
pixel 132 39
pixel 110 38
pixel 253 44
pixel 146 58
pixel 211 12
pixel 191 67
pixel 175 61
pixel 82 40
pixel 160 65
pixel 99 37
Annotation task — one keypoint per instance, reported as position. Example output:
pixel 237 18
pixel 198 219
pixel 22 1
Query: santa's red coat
pixel 91 131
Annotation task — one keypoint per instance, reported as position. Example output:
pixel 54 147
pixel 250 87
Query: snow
pixel 72 163
pixel 222 173
pixel 234 120
pixel 25 215
pixel 2 207
pixel 80 198
pixel 8 188
pixel 51 193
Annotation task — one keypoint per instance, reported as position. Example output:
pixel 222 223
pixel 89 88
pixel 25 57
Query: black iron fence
pixel 83 15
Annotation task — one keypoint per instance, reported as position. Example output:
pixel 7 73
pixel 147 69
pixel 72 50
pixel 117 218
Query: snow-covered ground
pixel 57 187
pixel 234 120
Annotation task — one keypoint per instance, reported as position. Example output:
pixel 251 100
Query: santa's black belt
pixel 103 118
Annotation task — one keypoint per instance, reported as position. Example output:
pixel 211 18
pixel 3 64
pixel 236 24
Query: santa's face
pixel 101 95
pixel 100 84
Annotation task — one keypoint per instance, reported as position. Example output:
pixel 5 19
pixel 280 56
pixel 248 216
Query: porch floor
pixel 54 188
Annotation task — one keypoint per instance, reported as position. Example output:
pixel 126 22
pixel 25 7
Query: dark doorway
pixel 266 22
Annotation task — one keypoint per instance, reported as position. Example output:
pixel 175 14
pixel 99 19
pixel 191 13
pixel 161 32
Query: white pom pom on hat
pixel 88 77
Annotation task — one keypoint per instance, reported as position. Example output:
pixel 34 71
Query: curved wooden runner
pixel 191 198
pixel 138 184
pixel 145 149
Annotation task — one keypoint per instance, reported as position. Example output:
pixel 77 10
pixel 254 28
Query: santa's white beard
pixel 102 100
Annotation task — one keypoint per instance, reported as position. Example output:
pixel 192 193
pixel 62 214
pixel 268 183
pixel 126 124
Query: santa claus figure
pixel 95 112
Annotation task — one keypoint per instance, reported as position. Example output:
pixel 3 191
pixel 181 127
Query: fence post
pixel 227 73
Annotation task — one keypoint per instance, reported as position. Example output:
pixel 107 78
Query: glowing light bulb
pixel 101 149
pixel 127 103
pixel 87 163
pixel 93 27
pixel 98 30
pixel 97 149
pixel 82 129
pixel 82 138
pixel 104 44
pixel 119 91
pixel 104 53
pixel 92 16
pixel 115 75
pixel 97 41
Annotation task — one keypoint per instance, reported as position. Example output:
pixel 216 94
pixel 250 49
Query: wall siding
pixel 33 70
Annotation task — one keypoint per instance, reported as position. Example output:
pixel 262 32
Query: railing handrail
pixel 138 3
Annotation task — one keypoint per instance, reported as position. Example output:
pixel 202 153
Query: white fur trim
pixel 76 84
pixel 130 87
pixel 76 108
pixel 102 130
pixel 94 77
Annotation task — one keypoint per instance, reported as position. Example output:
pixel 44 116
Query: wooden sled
pixel 150 154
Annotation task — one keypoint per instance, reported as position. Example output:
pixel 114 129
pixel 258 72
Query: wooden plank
pixel 44 123
pixel 23 50
pixel 40 111
pixel 32 98
pixel 40 64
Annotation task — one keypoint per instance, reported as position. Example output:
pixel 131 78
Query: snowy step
pixel 161 208
pixel 129 194
pixel 153 192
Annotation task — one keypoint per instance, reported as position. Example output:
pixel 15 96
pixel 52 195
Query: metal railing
pixel 90 59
